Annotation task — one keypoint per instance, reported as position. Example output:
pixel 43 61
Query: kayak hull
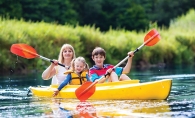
pixel 123 90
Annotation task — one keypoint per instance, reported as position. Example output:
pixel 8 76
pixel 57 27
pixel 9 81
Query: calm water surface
pixel 180 103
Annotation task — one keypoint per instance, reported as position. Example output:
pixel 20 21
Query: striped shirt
pixel 96 72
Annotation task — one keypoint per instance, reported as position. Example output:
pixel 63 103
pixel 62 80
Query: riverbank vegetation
pixel 129 14
pixel 175 47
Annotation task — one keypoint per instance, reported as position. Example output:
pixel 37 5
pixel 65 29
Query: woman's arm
pixel 50 71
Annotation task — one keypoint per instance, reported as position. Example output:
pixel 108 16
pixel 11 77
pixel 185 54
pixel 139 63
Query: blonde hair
pixel 61 58
pixel 81 59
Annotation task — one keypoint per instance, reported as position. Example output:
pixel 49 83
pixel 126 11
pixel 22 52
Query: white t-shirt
pixel 60 76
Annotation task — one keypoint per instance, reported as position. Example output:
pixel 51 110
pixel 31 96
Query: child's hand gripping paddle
pixel 88 88
pixel 28 52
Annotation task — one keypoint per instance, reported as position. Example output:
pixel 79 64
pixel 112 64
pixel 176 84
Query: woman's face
pixel 67 53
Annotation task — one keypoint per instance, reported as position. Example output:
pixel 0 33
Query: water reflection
pixel 180 103
pixel 75 108
pixel 109 108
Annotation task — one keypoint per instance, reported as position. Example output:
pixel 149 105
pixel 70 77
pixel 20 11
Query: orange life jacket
pixel 77 79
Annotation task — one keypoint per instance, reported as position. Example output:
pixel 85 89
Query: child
pixel 77 74
pixel 99 69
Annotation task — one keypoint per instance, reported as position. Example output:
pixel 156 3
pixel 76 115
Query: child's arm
pixel 95 77
pixel 127 67
pixel 64 83
pixel 87 76
pixel 92 75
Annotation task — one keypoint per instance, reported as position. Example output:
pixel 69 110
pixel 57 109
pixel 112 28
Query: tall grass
pixel 175 47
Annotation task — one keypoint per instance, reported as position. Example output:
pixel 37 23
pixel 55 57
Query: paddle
pixel 28 52
pixel 88 88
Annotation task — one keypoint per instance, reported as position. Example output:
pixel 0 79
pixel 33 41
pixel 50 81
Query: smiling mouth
pixel 67 55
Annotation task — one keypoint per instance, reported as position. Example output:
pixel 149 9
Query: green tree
pixel 11 8
pixel 162 11
pixel 126 14
pixel 59 11
pixel 108 13
pixel 104 14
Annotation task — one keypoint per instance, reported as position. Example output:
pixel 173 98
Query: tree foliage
pixel 104 14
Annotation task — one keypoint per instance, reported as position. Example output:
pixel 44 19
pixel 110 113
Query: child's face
pixel 99 60
pixel 79 66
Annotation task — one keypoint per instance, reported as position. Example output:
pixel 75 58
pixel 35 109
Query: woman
pixel 66 55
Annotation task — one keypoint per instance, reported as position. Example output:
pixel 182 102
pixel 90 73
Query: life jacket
pixel 77 79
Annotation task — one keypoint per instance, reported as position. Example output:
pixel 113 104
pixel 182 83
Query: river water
pixel 181 102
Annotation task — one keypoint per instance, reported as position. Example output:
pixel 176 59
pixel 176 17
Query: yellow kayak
pixel 122 90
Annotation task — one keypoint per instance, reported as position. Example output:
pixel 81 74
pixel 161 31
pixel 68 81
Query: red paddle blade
pixel 154 35
pixel 85 91
pixel 24 51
